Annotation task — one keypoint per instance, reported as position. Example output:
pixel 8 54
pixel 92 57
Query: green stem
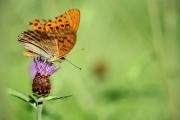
pixel 39 111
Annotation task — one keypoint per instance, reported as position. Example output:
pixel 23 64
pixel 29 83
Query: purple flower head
pixel 42 67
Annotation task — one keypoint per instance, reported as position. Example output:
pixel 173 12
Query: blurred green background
pixel 128 51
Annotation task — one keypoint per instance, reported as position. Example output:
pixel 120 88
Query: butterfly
pixel 50 39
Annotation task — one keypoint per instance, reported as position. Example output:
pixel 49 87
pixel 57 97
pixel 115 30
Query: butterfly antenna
pixel 72 64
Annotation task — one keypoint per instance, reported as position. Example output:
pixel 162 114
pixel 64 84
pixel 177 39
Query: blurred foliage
pixel 134 44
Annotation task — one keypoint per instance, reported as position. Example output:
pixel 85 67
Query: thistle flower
pixel 41 70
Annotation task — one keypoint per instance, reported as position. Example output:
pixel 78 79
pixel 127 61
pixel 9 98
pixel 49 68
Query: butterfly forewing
pixel 75 17
pixel 69 19
pixel 66 41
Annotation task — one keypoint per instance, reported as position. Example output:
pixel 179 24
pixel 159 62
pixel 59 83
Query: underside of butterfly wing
pixel 29 54
pixel 40 43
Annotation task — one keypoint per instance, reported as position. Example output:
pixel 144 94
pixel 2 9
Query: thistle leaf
pixel 26 98
pixel 51 98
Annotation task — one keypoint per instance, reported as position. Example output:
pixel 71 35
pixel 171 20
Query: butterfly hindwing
pixel 39 42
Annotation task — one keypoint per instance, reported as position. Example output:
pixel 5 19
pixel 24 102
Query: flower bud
pixel 41 85
pixel 41 70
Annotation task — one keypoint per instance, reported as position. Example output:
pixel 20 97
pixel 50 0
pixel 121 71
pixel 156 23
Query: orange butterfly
pixel 52 39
